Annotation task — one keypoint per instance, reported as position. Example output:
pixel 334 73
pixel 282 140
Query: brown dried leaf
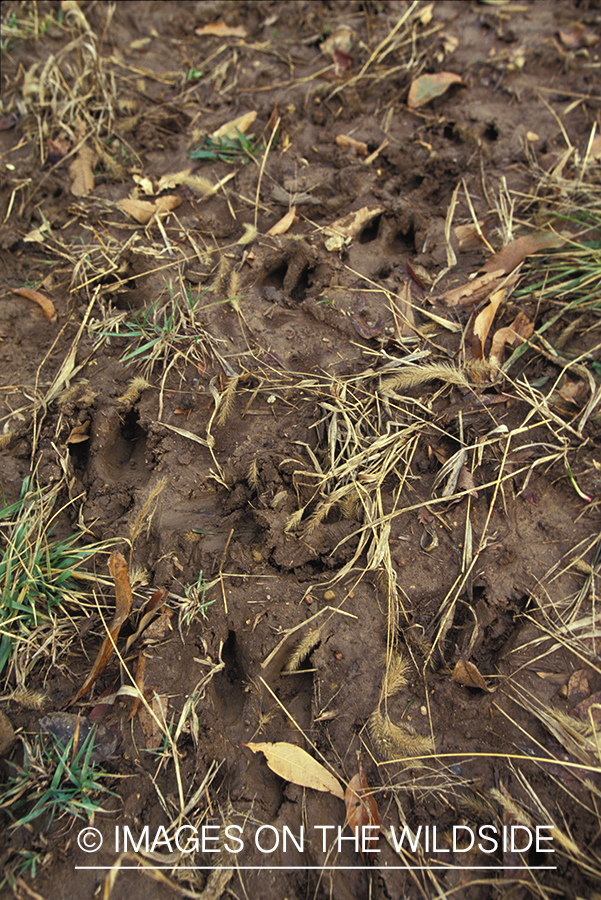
pixel 474 291
pixel 573 391
pixel 153 607
pixel 362 810
pixel 427 87
pixel 143 210
pixel 79 433
pixel 220 29
pixel 41 299
pixel 468 236
pixel 507 259
pixel 521 329
pixel 466 482
pixel 294 764
pixel 466 673
pixel 81 172
pixel 424 516
pixel 284 223
pixel 484 320
pixel 343 140
pixel 123 603
pixel 589 709
pixel 578 685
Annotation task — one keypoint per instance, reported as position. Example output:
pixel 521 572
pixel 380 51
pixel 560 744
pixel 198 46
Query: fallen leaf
pixel 167 203
pixel 220 29
pixel 466 482
pixel 41 299
pixel 573 391
pixel 342 231
pixel 343 140
pixel 294 764
pixel 362 810
pixel 477 290
pixel 427 87
pixel 589 709
pixel 123 604
pixel 578 685
pixel 143 210
pixel 466 673
pixel 507 259
pixel 81 172
pixel 284 223
pixel 469 236
pixel 145 184
pixel 484 320
pixel 153 729
pixel 521 329
pixel 79 433
pixel 230 129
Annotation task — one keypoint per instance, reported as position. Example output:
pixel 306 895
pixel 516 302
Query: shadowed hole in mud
pixel 370 232
pixel 228 684
pixel 129 441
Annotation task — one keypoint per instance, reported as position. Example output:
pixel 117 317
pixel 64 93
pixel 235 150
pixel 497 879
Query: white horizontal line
pixel 326 868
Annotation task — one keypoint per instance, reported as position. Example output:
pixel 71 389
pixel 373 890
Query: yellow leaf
pixel 294 764
pixel 230 129
pixel 220 29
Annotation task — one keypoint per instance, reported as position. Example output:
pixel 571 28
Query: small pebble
pixel 329 595
pixel 423 710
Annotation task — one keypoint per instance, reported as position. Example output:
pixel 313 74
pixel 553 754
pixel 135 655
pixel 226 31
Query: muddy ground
pixel 267 473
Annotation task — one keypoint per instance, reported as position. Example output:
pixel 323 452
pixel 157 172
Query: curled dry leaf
pixel 477 290
pixel 143 210
pixel 466 673
pixel 79 433
pixel 294 764
pixel 284 223
pixel 521 329
pixel 220 29
pixel 362 810
pixel 484 320
pixel 153 607
pixel 343 140
pixel 41 299
pixel 81 172
pixel 342 231
pixel 230 129
pixel 427 87
pixel 123 604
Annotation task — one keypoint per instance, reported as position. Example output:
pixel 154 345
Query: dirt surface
pixel 272 472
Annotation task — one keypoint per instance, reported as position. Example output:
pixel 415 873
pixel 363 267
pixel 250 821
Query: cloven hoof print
pixel 300 450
